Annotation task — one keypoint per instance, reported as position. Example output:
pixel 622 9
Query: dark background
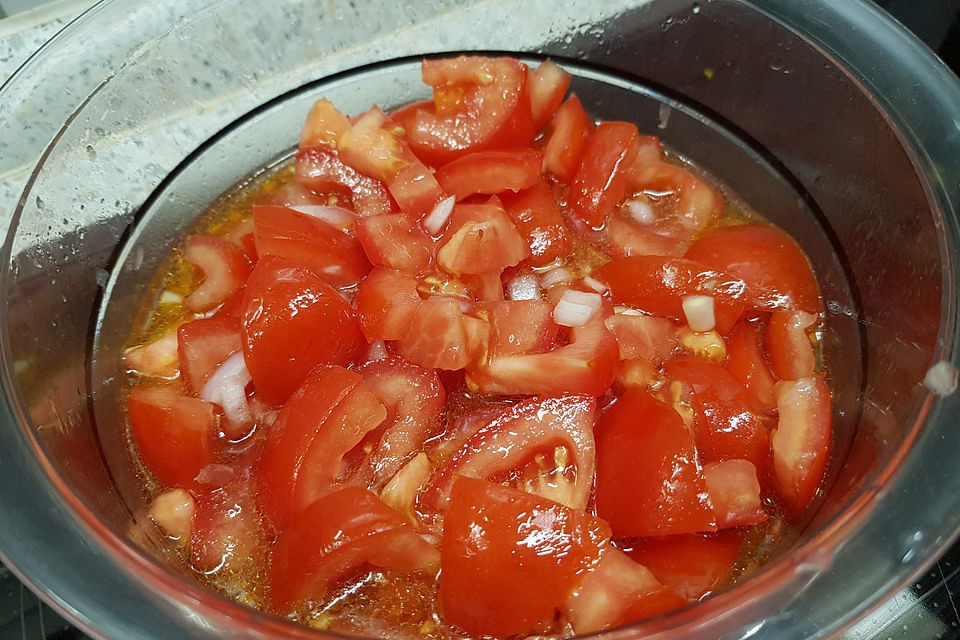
pixel 927 610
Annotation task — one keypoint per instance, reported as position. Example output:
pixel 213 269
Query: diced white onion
pixel 576 308
pixel 595 284
pixel 525 287
pixel 378 351
pixel 438 217
pixel 558 275
pixel 169 297
pixel 640 211
pixel 626 311
pixel 941 378
pixel 227 387
pixel 337 216
pixel 699 313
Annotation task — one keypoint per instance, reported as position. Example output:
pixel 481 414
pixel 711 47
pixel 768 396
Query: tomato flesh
pixel 491 172
pixel 395 242
pixel 602 181
pixel 789 348
pixel 567 140
pixel 547 85
pixel 224 269
pixel 734 493
pixel 387 301
pixel 322 169
pixel 482 240
pixel 203 345
pixel 535 213
pixel 748 365
pixel 691 564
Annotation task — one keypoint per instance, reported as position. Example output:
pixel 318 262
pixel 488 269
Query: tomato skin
pixel 602 181
pixel 480 116
pixel 293 321
pixel 508 558
pixel 509 437
pixel 587 365
pixel 301 460
pixel 173 432
pixel 801 441
pixel 658 285
pixel 491 172
pixel 415 401
pixel 523 326
pixel 748 365
pixel 641 443
pixel 203 345
pixel 336 535
pixel 567 140
pixel 535 213
pixel 224 268
pixel 724 426
pixel 768 260
pixel 333 254
pixel 692 564
pixel 437 337
pixel 322 170
pixel 734 493
pixel 387 301
pixel 482 240
pixel 615 592
pixel 547 85
pixel 641 336
pixel 395 242
pixel 788 346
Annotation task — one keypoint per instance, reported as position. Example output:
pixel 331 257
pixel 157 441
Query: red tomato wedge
pixel 226 534
pixel 512 436
pixel 336 536
pixel 387 302
pixel 747 363
pixel 491 172
pixel 523 326
pixel 330 252
pixel 617 591
pixel 788 345
pixel 734 493
pixel 626 235
pixel 769 261
pixel 203 345
pixel 588 364
pixel 724 426
pixel 293 321
pixel 479 104
pixel 658 285
pixel 648 480
pixel 801 441
pixel 482 240
pixel 324 126
pixel 692 564
pixel 327 417
pixel 566 140
pixel 224 269
pixel 509 559
pixel 416 189
pixel 603 180
pixel 174 433
pixel 547 85
pixel 437 337
pixel 396 242
pixel 641 336
pixel 415 401
pixel 537 217
pixel 322 170
pixel 682 200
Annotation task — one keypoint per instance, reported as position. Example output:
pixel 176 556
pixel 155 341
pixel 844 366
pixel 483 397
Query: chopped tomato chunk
pixel 486 241
pixel 789 347
pixel 387 301
pixel 491 172
pixel 602 181
pixel 649 482
pixel 203 345
pixel 509 559
pixel 437 337
pixel 537 217
pixel 324 126
pixel 322 170
pixel 395 242
pixel 681 200
pixel 692 564
pixel 748 365
pixel 158 358
pixel 641 336
pixel 332 253
pixel 224 268
pixel 734 493
pixel 523 326
pixel 293 321
pixel 567 140
pixel 226 534
pixel 547 85
pixel 174 433
pixel 801 442
pixel 336 536
pixel 479 104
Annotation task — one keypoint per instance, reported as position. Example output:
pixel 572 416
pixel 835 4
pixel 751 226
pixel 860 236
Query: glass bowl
pixel 825 116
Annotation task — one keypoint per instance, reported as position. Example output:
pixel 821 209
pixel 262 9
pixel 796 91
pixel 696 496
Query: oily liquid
pixel 376 603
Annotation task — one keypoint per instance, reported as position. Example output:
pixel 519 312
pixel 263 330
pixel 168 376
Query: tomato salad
pixel 482 366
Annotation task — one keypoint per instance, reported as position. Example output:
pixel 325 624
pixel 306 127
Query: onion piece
pixel 525 287
pixel 378 351
pixel 941 378
pixel 227 387
pixel 595 284
pixel 557 275
pixel 576 308
pixel 169 297
pixel 699 313
pixel 641 211
pixel 438 217
pixel 337 216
